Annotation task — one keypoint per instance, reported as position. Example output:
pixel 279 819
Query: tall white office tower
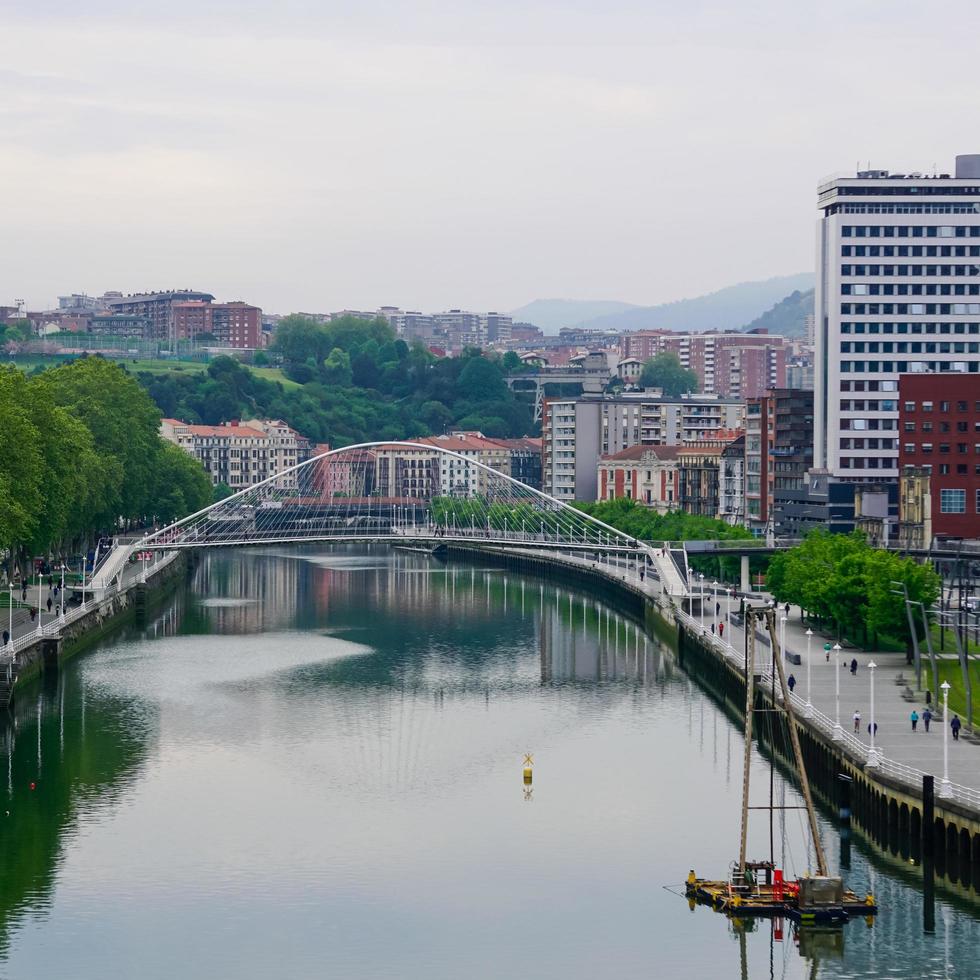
pixel 898 291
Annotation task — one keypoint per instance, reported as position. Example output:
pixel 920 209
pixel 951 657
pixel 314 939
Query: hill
pixel 553 314
pixel 726 309
pixel 788 316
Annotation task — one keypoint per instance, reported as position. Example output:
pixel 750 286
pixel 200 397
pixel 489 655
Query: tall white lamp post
pixel 838 731
pixel 808 707
pixel 945 789
pixel 872 751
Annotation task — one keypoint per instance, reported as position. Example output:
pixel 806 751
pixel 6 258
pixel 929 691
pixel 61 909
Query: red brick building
pixel 235 324
pixel 939 428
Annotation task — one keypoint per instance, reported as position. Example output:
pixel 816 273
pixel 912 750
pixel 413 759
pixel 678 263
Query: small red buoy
pixel 32 785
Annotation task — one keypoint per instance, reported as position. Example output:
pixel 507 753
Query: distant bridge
pixel 405 493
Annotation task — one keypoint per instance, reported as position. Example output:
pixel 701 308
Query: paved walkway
pixel 895 738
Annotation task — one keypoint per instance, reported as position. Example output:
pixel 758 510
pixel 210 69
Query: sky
pixel 313 155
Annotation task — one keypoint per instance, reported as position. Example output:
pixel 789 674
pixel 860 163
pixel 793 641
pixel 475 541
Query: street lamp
pixel 808 707
pixel 945 789
pixel 838 731
pixel 701 589
pixel 61 594
pixel 872 752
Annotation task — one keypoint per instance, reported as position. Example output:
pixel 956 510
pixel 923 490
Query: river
pixel 309 764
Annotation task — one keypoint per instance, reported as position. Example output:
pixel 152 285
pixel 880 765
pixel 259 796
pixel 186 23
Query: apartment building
pixel 577 431
pixel 733 364
pixel 897 293
pixel 939 455
pixel 240 454
pixel 236 325
pixel 456 476
pixel 778 455
pixel 731 482
pixel 157 308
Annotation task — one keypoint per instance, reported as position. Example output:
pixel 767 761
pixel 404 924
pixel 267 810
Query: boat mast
pixel 794 738
pixel 749 710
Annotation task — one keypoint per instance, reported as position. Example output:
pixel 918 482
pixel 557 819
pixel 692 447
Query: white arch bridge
pixel 405 493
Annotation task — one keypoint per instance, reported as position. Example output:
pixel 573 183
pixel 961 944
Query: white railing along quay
pixel 854 747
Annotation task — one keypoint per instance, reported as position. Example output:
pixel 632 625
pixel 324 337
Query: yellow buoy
pixel 528 763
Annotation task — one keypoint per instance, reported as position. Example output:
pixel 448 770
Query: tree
pixel 181 486
pixel 221 492
pixel 21 462
pixel 666 371
pixel 337 369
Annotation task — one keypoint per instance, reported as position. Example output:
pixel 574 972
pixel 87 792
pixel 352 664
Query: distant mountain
pixel 727 309
pixel 788 316
pixel 553 314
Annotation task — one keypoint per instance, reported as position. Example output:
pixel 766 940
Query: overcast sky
pixel 313 155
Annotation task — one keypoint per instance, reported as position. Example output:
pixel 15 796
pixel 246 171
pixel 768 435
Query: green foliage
pixel 221 492
pixel 357 382
pixel 842 580
pixel 81 452
pixel 647 525
pixel 666 371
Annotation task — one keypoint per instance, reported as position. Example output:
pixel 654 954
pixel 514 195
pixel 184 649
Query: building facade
pixel 236 325
pixel 158 309
pixel 732 364
pixel 939 430
pixel 576 432
pixel 897 293
pixel 731 482
pixel 646 474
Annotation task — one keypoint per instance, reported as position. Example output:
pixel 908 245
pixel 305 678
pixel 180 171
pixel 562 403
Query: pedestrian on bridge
pixel 854 666
pixel 926 718
pixel 6 637
pixel 857 722
pixel 721 629
pixel 717 608
pixel 791 683
pixel 49 604
pixel 914 718
pixel 955 726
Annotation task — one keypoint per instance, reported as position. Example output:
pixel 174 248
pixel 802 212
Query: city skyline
pixel 311 161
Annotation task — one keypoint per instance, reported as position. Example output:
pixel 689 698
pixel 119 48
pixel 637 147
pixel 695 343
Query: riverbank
pixel 45 647
pixel 900 807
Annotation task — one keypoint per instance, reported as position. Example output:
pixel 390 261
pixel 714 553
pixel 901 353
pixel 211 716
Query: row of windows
pixel 910 251
pixel 866 463
pixel 848 269
pixel 859 326
pixel 954 501
pixel 869 386
pixel 927 406
pixel 890 444
pixel 909 289
pixel 943 426
pixel 910 231
pixel 962 469
pixel 868 405
pixel 909 367
pixel 887 347
pixel 913 309
pixel 902 209
pixel 901 190
pixel 962 448
pixel 873 425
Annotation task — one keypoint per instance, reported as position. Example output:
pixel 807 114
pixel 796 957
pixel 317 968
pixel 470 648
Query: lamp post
pixel 701 584
pixel 838 731
pixel 945 789
pixel 808 707
pixel 872 751
pixel 10 604
pixel 782 635
pixel 61 594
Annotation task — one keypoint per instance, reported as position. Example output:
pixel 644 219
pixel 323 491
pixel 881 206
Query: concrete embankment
pixel 86 626
pixel 909 820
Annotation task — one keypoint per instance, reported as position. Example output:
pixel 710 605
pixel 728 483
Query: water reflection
pixel 310 763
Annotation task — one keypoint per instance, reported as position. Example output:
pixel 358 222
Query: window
pixel 952 501
pixel 927 406
pixel 910 407
pixel 978 501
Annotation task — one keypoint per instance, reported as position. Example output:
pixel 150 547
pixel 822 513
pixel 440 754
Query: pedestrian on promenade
pixel 23 594
pixel 857 722
pixel 49 604
pixel 712 628
pixel 787 610
pixel 914 718
pixel 721 629
pixel 791 683
pixel 33 613
pixel 6 637
pixel 955 725
pixel 717 608
pixel 928 702
pixel 926 718
pixel 875 728
pixel 854 666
